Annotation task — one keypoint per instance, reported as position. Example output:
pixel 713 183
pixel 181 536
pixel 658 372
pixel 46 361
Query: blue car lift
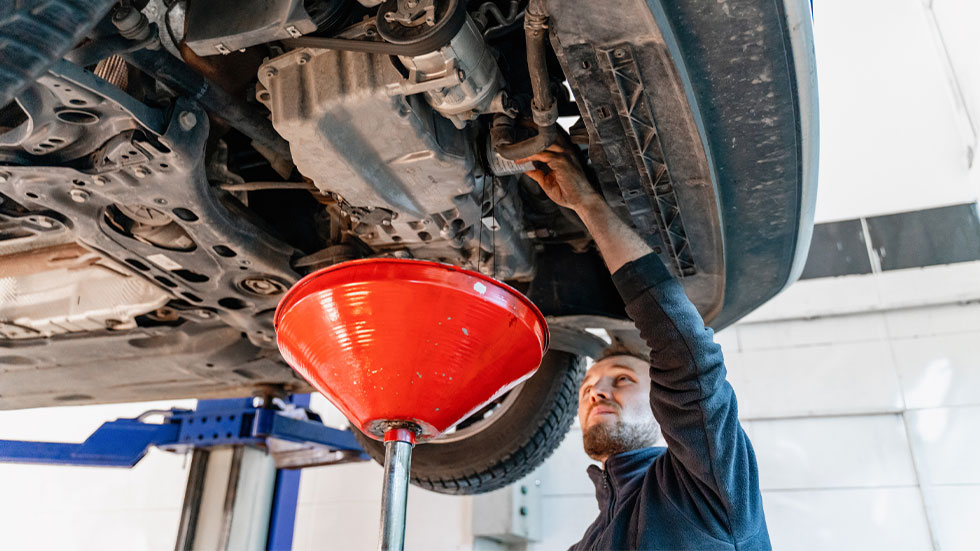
pixel 233 439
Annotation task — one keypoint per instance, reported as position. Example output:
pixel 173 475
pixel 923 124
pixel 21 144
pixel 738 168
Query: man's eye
pixel 622 378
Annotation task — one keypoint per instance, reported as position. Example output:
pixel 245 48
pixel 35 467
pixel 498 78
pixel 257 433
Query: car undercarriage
pixel 169 172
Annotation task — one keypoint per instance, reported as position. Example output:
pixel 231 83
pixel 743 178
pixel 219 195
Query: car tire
pixel 509 445
pixel 38 33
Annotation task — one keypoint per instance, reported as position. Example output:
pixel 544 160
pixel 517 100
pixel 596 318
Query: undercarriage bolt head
pixel 263 286
pixel 304 58
pixel 271 72
pixel 187 121
pixel 79 195
pixel 100 180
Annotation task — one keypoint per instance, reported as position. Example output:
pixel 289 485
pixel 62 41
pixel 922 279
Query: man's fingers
pixel 558 147
pixel 536 175
pixel 544 157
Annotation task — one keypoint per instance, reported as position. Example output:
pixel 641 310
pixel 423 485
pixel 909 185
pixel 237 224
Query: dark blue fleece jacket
pixel 702 491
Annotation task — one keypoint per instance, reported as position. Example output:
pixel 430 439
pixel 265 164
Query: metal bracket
pixel 412 85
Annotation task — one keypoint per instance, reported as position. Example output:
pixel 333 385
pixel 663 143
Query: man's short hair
pixel 621 347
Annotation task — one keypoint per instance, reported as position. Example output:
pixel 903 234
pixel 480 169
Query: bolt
pixel 523 511
pixel 271 72
pixel 160 201
pixel 141 172
pixel 619 52
pixel 187 120
pixel 461 75
pixel 260 285
pixel 79 195
pixel 304 58
pixel 100 180
pixel 389 16
pixel 524 490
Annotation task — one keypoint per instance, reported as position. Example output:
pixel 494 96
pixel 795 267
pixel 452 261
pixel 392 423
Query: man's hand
pixel 566 183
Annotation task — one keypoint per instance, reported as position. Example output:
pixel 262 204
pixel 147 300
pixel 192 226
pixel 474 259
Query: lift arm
pixel 124 442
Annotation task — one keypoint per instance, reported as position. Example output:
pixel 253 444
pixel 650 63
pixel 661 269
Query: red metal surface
pixel 408 340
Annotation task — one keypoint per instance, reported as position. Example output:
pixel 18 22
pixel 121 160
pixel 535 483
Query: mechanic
pixel 702 490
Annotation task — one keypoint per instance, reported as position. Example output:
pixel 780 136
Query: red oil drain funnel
pixel 406 349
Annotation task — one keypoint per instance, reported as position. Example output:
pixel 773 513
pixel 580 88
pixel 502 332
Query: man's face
pixel 614 407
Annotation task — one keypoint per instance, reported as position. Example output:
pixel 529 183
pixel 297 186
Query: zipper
pixel 612 495
pixel 606 482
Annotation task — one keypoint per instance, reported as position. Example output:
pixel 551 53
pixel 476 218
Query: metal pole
pixel 192 500
pixel 394 499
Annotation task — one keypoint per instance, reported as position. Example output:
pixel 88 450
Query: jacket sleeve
pixel 710 464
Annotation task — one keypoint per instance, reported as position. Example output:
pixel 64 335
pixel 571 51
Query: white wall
pixel 881 439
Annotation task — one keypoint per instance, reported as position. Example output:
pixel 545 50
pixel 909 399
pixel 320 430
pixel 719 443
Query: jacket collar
pixel 626 466
pixel 619 470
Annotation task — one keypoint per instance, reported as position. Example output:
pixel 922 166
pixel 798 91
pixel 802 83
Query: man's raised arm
pixel 708 452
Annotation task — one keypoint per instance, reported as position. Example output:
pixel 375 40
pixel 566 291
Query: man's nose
pixel 600 391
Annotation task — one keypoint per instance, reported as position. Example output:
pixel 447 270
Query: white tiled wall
pixel 847 519
pixel 863 451
pixel 827 379
pixel 946 444
pixel 878 450
pixel 954 511
pixel 938 370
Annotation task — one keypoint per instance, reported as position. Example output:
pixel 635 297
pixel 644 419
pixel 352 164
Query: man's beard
pixel 602 440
